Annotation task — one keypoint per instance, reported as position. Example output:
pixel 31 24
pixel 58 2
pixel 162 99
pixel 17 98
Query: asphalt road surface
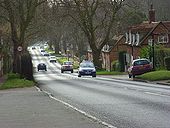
pixel 121 103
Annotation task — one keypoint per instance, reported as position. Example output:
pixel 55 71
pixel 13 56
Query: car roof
pixel 41 63
pixel 86 61
pixel 140 59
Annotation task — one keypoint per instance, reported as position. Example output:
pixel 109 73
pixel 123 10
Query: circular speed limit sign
pixel 19 48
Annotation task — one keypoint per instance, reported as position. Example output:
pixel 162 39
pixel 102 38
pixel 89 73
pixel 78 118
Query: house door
pixel 123 61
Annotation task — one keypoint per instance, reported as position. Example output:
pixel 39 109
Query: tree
pixel 96 19
pixel 19 15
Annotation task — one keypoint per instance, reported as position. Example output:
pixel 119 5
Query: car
pixel 52 59
pixel 139 67
pixel 87 68
pixel 42 66
pixel 42 50
pixel 67 66
pixel 33 48
pixel 46 54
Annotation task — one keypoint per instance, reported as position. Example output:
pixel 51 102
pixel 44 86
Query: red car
pixel 67 66
pixel 138 67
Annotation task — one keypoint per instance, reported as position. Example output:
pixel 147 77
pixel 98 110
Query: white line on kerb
pixel 78 110
pixel 156 94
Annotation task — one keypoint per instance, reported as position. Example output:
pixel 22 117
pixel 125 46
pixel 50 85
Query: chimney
pixel 151 14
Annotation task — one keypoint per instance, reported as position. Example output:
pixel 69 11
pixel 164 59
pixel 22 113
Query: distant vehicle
pixel 52 59
pixel 42 66
pixel 87 68
pixel 138 67
pixel 46 54
pixel 67 66
pixel 33 48
pixel 42 50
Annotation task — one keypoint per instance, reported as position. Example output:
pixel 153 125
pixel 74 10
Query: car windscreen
pixel 90 65
pixel 67 63
pixel 140 62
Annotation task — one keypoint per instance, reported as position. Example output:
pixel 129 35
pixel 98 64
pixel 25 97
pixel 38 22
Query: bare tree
pixel 96 19
pixel 19 14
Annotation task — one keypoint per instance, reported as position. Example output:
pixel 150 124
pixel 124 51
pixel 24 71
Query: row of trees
pixel 62 22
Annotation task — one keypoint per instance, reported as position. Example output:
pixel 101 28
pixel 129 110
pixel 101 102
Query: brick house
pixel 137 37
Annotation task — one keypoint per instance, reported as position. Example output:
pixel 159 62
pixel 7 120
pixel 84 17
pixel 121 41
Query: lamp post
pixel 153 52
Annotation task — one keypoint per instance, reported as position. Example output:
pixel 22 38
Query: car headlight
pixel 94 70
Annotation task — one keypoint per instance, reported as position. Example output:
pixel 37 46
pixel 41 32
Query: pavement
pixel 32 108
pixel 29 108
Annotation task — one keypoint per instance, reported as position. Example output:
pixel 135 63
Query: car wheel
pixel 62 71
pixel 71 71
pixel 133 76
pixel 94 75
pixel 45 69
pixel 130 76
pixel 79 75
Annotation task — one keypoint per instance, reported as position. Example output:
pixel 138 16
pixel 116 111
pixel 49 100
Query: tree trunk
pixel 56 45
pixel 97 59
pixel 16 59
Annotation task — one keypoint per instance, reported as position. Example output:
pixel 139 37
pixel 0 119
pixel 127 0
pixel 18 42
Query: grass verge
pixel 15 82
pixel 156 75
pixel 109 73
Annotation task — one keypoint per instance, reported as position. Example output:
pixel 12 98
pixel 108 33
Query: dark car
pixel 33 48
pixel 42 66
pixel 87 68
pixel 46 54
pixel 138 67
pixel 67 66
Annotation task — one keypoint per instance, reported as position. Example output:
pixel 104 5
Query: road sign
pixel 19 48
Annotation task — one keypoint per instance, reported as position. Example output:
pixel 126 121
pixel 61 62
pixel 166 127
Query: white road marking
pixel 78 110
pixel 156 94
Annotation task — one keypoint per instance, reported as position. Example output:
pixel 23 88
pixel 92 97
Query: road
pixel 120 103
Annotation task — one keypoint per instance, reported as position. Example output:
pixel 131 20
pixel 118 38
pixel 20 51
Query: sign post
pixel 19 50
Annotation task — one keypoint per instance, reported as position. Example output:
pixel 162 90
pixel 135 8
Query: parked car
pixel 42 66
pixel 87 68
pixel 138 67
pixel 52 59
pixel 67 66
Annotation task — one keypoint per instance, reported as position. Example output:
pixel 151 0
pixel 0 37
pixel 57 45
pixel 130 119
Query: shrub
pixel 27 66
pixel 115 66
pixel 167 62
pixel 160 54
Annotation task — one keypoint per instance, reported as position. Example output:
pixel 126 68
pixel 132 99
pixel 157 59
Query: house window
pixel 163 38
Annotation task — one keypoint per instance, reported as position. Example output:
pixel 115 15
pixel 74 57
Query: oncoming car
pixel 41 66
pixel 52 59
pixel 67 66
pixel 138 67
pixel 87 68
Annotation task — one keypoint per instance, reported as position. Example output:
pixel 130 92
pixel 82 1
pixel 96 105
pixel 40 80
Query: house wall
pixel 121 46
pixel 160 29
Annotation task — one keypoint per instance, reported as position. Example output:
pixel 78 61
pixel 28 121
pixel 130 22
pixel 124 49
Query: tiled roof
pixel 143 27
pixel 146 26
pixel 167 24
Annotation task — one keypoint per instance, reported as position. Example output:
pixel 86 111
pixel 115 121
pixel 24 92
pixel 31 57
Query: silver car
pixel 87 68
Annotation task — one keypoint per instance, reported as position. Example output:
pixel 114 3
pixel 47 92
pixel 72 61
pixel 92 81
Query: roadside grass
pixel 110 73
pixel 13 81
pixel 155 75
